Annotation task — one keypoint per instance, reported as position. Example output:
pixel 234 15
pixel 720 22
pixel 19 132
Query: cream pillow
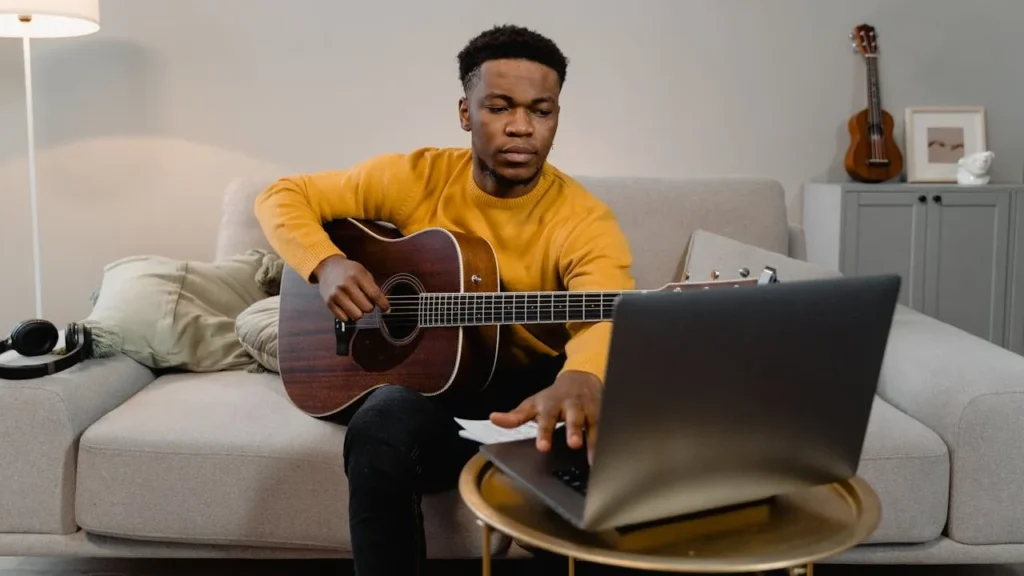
pixel 256 328
pixel 172 314
pixel 707 252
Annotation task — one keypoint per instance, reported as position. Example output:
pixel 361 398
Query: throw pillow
pixel 707 252
pixel 256 328
pixel 172 314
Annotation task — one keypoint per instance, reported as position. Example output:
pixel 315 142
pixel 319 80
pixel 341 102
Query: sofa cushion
pixel 707 252
pixel 908 466
pixel 226 458
pixel 239 230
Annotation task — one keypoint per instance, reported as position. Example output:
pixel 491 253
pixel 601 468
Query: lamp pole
pixel 33 193
pixel 28 19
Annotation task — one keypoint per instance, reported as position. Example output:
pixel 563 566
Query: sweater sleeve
pixel 596 256
pixel 292 210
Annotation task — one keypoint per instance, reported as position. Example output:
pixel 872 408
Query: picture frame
pixel 936 137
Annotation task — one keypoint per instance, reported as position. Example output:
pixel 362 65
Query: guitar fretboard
pixel 515 308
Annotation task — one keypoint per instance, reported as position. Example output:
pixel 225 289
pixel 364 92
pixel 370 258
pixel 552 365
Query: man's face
pixel 512 112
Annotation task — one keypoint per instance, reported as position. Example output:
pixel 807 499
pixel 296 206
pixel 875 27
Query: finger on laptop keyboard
pixel 547 417
pixel 574 420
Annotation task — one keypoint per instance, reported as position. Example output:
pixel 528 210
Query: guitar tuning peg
pixel 715 274
pixel 744 272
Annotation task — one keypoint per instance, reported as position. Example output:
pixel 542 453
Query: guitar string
pixel 497 315
pixel 546 308
pixel 876 139
pixel 871 113
pixel 441 321
pixel 478 296
pixel 565 294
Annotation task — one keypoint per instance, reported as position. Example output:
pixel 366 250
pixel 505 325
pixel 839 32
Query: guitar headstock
pixel 768 276
pixel 864 40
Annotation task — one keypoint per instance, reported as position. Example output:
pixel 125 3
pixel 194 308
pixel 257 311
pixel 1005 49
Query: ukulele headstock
pixel 768 276
pixel 864 40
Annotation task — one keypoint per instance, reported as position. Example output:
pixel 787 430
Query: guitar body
pixel 862 157
pixel 437 360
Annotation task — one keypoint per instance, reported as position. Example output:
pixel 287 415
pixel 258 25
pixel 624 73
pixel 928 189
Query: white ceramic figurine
pixel 972 170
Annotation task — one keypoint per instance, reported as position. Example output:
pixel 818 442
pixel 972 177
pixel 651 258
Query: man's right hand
pixel 348 288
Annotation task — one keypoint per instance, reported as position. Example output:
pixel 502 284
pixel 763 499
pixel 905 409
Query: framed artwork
pixel 938 136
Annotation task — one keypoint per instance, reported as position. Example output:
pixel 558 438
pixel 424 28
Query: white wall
pixel 140 126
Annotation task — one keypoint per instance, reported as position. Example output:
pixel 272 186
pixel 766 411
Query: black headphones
pixel 38 338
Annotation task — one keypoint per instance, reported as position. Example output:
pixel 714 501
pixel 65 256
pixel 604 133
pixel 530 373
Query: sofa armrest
pixel 971 393
pixel 797 243
pixel 41 421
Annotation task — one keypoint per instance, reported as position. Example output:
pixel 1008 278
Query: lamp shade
pixel 49 18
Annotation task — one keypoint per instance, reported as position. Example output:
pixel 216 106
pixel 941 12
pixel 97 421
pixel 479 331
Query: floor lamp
pixel 28 19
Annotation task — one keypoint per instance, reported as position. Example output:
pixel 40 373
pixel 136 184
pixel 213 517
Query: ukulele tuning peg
pixel 715 274
pixel 686 276
pixel 744 272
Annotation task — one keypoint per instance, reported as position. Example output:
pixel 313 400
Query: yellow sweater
pixel 557 237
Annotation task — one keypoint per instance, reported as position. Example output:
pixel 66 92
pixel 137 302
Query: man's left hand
pixel 575 397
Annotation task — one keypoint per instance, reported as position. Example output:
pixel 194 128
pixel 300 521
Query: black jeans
pixel 400 445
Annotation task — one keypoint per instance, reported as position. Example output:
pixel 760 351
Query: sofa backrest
pixel 657 216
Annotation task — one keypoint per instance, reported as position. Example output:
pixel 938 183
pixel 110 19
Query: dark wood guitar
pixel 441 335
pixel 873 155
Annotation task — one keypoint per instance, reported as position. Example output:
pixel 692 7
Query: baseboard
pixel 86 545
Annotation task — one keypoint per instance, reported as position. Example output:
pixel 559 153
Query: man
pixel 548 234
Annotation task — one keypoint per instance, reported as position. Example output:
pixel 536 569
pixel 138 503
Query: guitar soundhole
pixel 401 324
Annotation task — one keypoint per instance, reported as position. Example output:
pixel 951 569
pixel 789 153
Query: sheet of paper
pixel 484 432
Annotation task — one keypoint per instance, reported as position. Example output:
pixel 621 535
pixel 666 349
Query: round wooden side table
pixel 791 532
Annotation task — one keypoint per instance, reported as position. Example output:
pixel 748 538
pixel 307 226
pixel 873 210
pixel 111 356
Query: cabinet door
pixel 885 233
pixel 968 241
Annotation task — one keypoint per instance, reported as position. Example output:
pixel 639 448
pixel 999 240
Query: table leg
pixel 802 570
pixel 572 566
pixel 486 548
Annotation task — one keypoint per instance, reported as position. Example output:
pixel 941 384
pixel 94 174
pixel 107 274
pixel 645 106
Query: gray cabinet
pixel 953 246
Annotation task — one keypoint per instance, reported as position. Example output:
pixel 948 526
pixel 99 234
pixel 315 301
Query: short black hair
pixel 509 41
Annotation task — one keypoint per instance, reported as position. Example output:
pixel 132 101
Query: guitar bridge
pixel 343 334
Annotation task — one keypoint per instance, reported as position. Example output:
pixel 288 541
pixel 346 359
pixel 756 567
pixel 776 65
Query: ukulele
pixel 440 336
pixel 873 155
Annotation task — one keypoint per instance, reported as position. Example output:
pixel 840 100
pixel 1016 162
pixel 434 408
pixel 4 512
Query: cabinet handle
pixel 922 198
pixel 937 199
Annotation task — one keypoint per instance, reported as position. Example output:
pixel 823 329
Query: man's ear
pixel 464 113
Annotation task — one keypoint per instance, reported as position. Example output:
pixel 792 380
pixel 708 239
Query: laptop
pixel 717 398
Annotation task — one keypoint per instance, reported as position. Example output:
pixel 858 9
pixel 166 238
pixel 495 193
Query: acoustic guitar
pixel 441 334
pixel 873 155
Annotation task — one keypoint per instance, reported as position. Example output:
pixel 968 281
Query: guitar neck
pixel 458 309
pixel 874 96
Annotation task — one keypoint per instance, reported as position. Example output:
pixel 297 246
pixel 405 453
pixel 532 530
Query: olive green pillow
pixel 256 328
pixel 173 314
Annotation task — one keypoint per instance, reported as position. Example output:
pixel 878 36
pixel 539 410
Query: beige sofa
pixel 107 460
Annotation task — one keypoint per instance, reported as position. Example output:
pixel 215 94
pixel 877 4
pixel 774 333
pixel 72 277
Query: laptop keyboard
pixel 575 478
